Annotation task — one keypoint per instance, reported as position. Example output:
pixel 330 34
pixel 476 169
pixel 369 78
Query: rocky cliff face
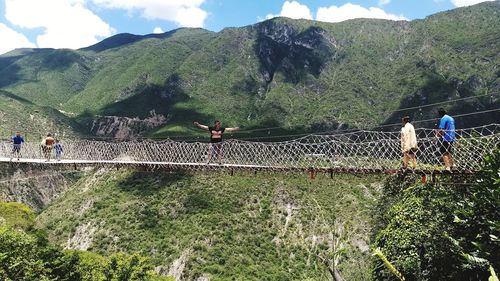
pixel 125 127
pixel 34 186
pixel 281 47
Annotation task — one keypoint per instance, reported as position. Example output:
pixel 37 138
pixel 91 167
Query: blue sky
pixel 80 23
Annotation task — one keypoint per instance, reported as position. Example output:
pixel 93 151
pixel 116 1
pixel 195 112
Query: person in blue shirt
pixel 446 137
pixel 17 142
pixel 58 150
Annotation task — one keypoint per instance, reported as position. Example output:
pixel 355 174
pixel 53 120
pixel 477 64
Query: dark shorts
pixel 445 147
pixel 16 148
pixel 216 148
pixel 411 151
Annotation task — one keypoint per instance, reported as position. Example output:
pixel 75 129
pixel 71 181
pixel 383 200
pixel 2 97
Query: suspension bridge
pixel 351 152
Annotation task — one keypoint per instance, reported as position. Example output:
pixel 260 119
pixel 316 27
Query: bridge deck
pixel 356 152
pixel 227 166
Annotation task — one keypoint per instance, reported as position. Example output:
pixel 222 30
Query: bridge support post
pixel 312 173
pixel 424 179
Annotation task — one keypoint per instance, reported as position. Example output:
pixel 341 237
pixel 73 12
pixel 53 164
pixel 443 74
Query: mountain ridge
pixel 295 74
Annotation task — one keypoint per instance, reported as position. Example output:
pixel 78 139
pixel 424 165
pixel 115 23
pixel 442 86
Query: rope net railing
pixel 358 150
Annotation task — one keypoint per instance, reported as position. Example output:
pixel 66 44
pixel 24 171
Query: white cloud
pixel 11 39
pixel 65 23
pixel 186 13
pixel 294 10
pixel 383 2
pixel 158 30
pixel 269 16
pixel 462 3
pixel 352 11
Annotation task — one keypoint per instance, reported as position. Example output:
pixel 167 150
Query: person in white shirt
pixel 408 143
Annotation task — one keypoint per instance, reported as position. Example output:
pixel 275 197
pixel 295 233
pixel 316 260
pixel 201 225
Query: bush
pixel 25 254
pixel 442 232
pixel 16 215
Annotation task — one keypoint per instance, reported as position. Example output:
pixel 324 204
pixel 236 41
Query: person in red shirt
pixel 216 132
pixel 47 144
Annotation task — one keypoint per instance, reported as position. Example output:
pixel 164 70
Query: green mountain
pixel 298 75
pixel 19 114
pixel 268 226
pixel 294 74
pixel 130 224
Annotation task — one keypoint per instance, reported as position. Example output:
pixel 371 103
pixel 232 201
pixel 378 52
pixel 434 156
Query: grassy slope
pixel 16 215
pixel 18 114
pixel 233 227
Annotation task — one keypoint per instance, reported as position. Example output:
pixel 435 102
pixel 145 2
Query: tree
pixel 440 231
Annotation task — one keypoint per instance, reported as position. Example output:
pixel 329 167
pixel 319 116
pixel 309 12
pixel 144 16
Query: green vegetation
pixel 441 231
pixel 264 226
pixel 298 75
pixel 242 227
pixel 19 114
pixel 25 254
pixel 295 74
pixel 16 215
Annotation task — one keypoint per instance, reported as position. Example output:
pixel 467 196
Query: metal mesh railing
pixel 360 149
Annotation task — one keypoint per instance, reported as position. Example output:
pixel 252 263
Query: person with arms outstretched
pixel 408 143
pixel 446 136
pixel 17 142
pixel 216 132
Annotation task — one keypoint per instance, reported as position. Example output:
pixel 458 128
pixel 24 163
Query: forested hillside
pixel 268 226
pixel 295 74
pixel 276 77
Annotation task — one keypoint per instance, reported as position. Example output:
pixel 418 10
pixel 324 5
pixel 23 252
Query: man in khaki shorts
pixel 408 143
